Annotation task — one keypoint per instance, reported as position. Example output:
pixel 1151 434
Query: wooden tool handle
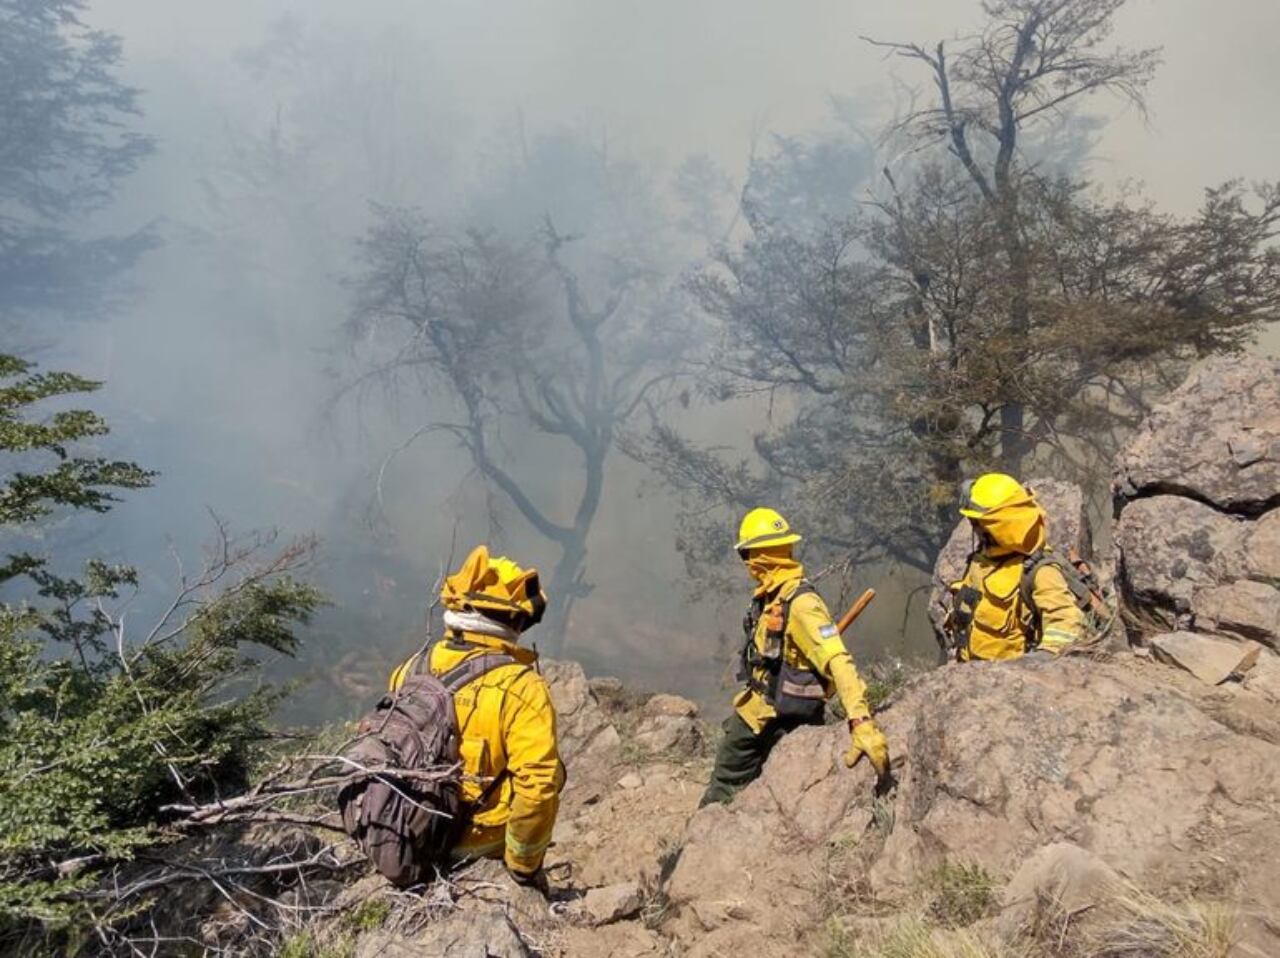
pixel 855 610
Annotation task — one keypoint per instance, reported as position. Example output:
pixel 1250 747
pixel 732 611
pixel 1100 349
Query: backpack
pixel 407 826
pixel 1081 580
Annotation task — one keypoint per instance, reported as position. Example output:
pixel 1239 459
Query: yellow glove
pixel 866 739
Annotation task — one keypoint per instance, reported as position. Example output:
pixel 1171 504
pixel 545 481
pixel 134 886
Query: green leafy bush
pixel 102 727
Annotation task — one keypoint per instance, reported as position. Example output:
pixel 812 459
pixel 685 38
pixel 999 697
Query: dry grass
pixel 948 923
pixel 1132 923
pixel 1136 924
pixel 916 938
pixel 887 678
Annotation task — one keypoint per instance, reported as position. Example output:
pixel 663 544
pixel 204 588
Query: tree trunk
pixel 566 584
pixel 1014 444
pixel 563 589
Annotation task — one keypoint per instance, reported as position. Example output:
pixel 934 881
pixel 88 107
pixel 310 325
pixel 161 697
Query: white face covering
pixel 473 621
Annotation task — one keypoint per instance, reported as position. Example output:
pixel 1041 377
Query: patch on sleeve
pixel 828 631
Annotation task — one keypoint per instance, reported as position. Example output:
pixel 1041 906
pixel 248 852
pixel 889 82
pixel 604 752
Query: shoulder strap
pixel 804 588
pixel 1070 574
pixel 1027 584
pixel 473 668
pixel 463 674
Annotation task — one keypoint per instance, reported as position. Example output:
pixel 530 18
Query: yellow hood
pixel 1015 527
pixel 772 568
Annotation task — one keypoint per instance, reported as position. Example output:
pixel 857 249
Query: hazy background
pixel 278 124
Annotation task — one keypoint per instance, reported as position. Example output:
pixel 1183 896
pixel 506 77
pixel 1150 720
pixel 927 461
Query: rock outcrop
pixel 1045 780
pixel 1215 439
pixel 1198 507
pixel 1065 505
pixel 1000 763
pixel 1211 660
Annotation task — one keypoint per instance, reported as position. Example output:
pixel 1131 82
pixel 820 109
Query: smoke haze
pixel 278 125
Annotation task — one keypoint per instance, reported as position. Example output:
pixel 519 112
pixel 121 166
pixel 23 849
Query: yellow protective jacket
pixel 1003 621
pixel 811 641
pixel 508 728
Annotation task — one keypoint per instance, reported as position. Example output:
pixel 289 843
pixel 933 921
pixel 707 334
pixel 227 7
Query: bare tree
pixel 980 309
pixel 518 342
pixel 1033 59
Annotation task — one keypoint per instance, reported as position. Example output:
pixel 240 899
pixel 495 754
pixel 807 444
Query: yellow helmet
pixel 989 492
pixel 497 586
pixel 762 528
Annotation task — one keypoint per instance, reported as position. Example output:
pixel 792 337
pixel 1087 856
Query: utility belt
pixel 794 692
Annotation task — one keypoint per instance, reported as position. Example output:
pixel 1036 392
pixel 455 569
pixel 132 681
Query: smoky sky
pixel 675 77
pixel 277 124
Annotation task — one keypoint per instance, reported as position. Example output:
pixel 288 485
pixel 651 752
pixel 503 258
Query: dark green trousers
pixel 742 755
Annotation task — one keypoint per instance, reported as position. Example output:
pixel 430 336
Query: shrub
pixel 960 894
pixel 101 728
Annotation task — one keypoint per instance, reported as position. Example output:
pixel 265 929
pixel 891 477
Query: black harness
pixel 792 691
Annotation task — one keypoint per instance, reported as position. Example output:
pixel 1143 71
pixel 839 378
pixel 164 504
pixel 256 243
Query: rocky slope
pixel 1120 803
pixel 1197 496
pixel 1029 775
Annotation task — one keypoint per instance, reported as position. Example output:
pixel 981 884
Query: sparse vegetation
pixel 915 938
pixel 1133 923
pixel 886 677
pixel 959 894
pixel 369 915
pixel 306 945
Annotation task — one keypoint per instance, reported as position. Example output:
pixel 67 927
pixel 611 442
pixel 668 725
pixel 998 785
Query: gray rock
pixel 1211 660
pixel 605 685
pixel 1262 547
pixel 579 717
pixel 1061 872
pixel 1198 505
pixel 1064 504
pixel 1216 438
pixel 630 781
pixel 995 762
pixel 603 906
pixel 1264 677
pixel 672 705
pixel 667 733
pixel 1189 566
pixel 1171 546
pixel 1250 610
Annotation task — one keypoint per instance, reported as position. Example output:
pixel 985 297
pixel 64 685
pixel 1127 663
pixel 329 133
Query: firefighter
pixel 793 660
pixel 511 760
pixel 1015 597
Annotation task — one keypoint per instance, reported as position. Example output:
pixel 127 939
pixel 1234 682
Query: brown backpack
pixel 408 826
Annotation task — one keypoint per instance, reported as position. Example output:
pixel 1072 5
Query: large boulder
pixel 1002 761
pixel 582 726
pixel 1216 438
pixel 1197 496
pixel 1065 505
